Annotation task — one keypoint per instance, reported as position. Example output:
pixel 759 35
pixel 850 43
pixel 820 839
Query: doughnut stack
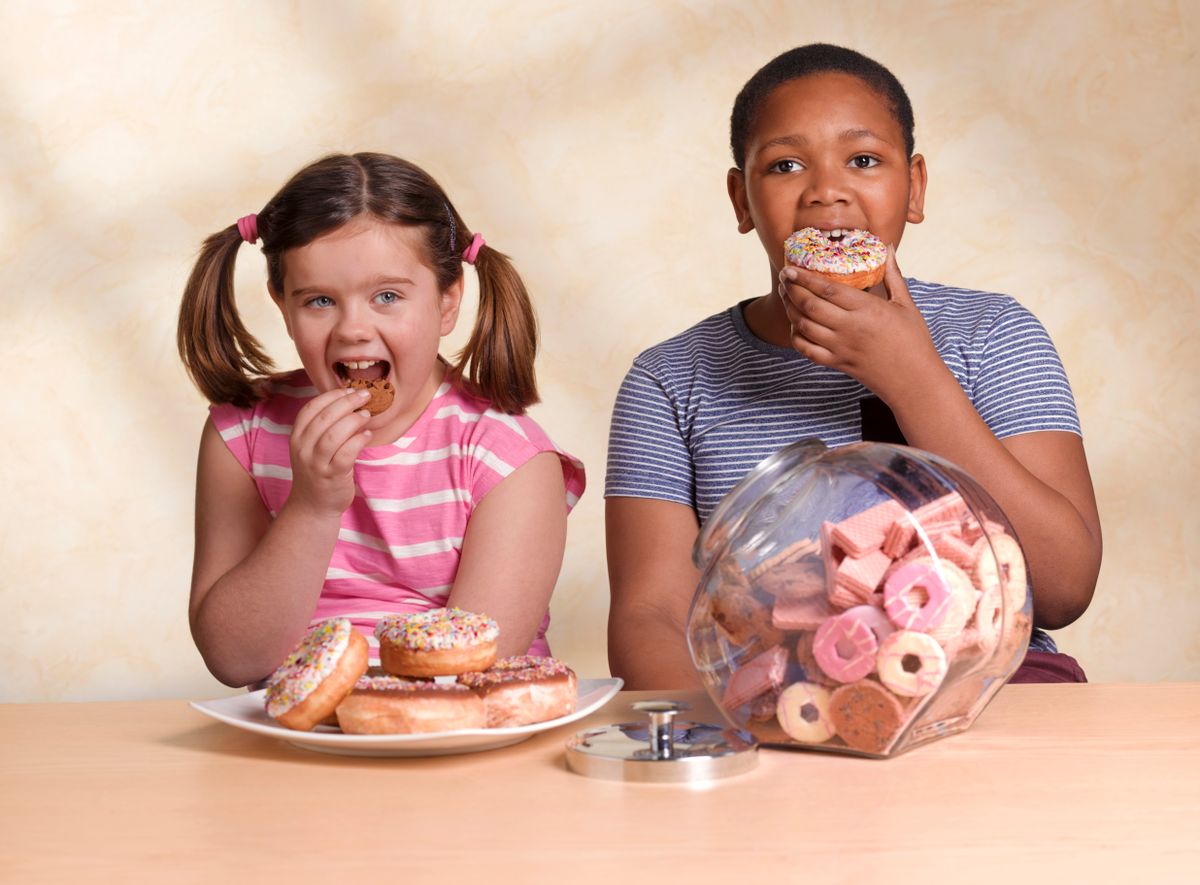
pixel 842 639
pixel 438 673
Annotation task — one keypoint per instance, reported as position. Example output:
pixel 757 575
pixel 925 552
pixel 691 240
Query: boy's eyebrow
pixel 801 141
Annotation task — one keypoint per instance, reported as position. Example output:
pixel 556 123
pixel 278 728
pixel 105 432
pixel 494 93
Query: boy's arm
pixel 652 582
pixel 1039 479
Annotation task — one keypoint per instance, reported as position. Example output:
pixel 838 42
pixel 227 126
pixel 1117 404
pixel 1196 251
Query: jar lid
pixel 662 750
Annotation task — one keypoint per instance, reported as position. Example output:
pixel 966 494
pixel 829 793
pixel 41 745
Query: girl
pixel 823 137
pixel 307 505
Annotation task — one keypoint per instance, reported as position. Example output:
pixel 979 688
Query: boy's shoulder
pixel 713 334
pixel 940 298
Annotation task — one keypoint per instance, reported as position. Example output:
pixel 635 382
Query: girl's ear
pixel 451 301
pixel 735 181
pixel 917 179
pixel 278 299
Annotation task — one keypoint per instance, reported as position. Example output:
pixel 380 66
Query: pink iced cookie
pixel 875 619
pixel 845 648
pixel 801 614
pixel 763 674
pixel 911 664
pixel 916 597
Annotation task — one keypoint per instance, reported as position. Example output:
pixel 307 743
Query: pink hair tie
pixel 248 228
pixel 472 251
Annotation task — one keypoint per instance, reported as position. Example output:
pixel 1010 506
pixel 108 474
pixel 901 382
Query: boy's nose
pixel 824 186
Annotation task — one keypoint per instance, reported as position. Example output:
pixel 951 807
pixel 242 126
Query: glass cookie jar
pixel 864 600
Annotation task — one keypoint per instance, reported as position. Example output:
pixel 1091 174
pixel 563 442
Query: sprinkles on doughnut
pixel 523 690
pixel 851 257
pixel 320 671
pixel 438 642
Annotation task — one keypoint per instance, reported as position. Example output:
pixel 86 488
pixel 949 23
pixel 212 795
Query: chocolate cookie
pixel 866 715
pixel 381 392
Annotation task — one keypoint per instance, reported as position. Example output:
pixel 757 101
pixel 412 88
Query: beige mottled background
pixel 588 140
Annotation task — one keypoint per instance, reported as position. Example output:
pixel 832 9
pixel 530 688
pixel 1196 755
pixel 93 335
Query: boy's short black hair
pixel 815 58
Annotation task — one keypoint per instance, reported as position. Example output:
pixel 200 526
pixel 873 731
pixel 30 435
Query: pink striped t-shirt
pixel 400 540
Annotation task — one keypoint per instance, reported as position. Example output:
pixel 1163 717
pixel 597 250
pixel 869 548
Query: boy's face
pixel 826 152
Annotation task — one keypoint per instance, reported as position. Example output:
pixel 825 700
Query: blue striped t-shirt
pixel 698 411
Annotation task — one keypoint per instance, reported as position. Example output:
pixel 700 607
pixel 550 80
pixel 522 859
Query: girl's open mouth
pixel 361 370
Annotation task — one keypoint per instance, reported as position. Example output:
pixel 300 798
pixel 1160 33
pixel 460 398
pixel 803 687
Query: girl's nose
pixel 352 324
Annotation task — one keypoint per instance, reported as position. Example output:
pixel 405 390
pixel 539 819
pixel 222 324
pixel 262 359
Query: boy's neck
pixel 766 319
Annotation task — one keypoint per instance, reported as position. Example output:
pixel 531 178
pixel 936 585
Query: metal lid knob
pixel 664 750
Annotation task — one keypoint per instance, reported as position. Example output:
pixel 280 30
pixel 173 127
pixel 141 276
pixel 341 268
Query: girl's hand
pixel 326 438
pixel 884 344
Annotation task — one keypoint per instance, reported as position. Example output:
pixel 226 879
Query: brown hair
pixel 228 364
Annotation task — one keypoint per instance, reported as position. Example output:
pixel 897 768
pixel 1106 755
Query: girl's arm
pixel 1041 480
pixel 651 581
pixel 512 551
pixel 255 581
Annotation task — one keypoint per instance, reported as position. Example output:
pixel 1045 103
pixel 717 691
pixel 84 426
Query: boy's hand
pixel 883 344
pixel 326 438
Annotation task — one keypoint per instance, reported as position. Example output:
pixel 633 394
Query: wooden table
pixel 1067 783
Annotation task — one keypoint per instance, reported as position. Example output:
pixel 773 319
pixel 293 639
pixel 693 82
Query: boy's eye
pixel 862 161
pixel 388 297
pixel 319 301
pixel 785 166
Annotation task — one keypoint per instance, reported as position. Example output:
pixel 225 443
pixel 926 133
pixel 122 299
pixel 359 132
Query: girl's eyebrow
pixel 802 141
pixel 378 281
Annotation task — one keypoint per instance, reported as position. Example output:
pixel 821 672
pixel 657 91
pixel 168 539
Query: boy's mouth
pixel 361 370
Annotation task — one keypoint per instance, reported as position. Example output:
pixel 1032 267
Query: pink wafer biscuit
pixel 865 531
pixel 911 664
pixel 951 547
pixel 792 552
pixel 948 508
pixel 900 535
pixel 761 675
pixel 801 614
pixel 845 648
pixel 916 596
pixel 858 577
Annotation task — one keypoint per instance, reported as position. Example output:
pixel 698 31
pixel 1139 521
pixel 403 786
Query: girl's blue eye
pixel 785 166
pixel 862 161
pixel 320 301
pixel 388 297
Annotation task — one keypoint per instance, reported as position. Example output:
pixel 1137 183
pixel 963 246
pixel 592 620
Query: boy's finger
pixel 893 280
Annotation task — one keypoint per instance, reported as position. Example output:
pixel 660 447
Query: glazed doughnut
pixel 845 647
pixel 803 712
pixel 910 663
pixel 524 690
pixel 391 705
pixel 319 672
pixel 438 642
pixel 381 392
pixel 856 258
pixel 1005 568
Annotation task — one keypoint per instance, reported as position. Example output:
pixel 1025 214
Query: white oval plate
pixel 246 711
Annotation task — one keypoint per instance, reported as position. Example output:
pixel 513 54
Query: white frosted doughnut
pixel 911 664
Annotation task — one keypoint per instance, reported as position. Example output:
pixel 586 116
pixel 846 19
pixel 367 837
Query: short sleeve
pixel 648 456
pixel 235 426
pixel 501 443
pixel 1021 385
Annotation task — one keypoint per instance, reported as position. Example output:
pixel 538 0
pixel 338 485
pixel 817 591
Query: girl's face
pixel 826 152
pixel 359 302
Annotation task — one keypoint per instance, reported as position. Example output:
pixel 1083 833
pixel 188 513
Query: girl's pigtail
pixel 498 357
pixel 223 359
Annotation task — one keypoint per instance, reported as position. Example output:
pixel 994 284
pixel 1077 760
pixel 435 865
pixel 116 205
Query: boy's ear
pixel 735 181
pixel 917 179
pixel 278 299
pixel 451 302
